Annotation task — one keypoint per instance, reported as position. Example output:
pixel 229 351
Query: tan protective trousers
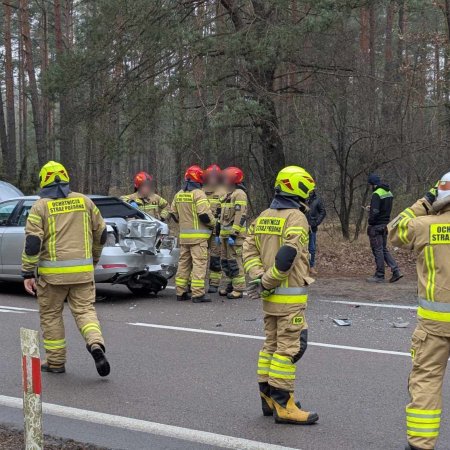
pixel 215 269
pixel 232 264
pixel 192 268
pixel 286 342
pixel 430 354
pixel 80 298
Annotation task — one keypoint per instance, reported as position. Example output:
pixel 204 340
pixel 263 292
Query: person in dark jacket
pixel 316 216
pixel 379 217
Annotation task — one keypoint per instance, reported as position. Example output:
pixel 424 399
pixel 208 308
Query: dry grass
pixel 336 256
pixel 12 439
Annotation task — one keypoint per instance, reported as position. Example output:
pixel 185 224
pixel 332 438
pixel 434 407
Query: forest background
pixel 341 87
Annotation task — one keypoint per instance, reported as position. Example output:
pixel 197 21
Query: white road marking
pixel 142 426
pixel 377 305
pixel 13 312
pixel 170 287
pixel 261 338
pixel 15 308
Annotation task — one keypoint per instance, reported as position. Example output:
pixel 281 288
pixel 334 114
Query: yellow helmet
pixel 295 180
pixel 53 172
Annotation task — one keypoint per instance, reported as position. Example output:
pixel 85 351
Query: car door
pixel 13 239
pixel 8 210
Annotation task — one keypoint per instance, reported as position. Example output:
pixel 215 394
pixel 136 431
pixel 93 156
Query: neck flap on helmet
pixel 55 190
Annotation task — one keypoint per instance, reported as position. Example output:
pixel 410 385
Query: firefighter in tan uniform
pixel 65 234
pixel 233 226
pixel 144 199
pixel 190 208
pixel 214 190
pixel 277 260
pixel 425 228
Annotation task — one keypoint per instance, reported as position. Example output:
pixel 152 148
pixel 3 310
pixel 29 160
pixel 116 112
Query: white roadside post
pixel 32 389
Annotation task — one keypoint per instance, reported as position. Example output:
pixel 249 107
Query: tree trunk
pixel 66 130
pixel 261 85
pixel 10 157
pixel 447 74
pixel 388 61
pixel 36 107
pixel 3 135
pixel 23 106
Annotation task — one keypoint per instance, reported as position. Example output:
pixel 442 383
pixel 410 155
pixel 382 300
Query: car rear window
pixel 113 207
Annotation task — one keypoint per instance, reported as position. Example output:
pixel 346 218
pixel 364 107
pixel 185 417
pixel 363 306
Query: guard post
pixel 32 389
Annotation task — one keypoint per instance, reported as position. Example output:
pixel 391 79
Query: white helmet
pixel 444 187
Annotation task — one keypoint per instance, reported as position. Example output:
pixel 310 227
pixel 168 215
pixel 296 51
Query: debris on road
pixel 342 322
pixel 250 320
pixel 218 324
pixel 400 324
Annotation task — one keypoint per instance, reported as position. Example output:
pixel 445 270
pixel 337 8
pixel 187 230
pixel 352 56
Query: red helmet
pixel 213 168
pixel 233 175
pixel 141 177
pixel 195 174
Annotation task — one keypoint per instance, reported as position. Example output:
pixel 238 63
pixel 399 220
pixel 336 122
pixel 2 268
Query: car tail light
pixel 114 266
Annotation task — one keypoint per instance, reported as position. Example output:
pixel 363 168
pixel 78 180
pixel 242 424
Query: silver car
pixel 139 252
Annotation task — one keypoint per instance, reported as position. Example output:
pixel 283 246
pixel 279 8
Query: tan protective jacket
pixel 233 217
pixel 154 204
pixel 187 207
pixel 70 231
pixel 270 231
pixel 214 195
pixel 420 229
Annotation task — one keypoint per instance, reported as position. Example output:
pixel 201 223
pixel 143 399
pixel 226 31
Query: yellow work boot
pixel 287 411
pixel 233 295
pixel 266 401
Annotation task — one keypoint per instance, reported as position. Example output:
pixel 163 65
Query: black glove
pixel 431 195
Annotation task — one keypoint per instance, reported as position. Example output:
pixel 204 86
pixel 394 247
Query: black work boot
pixel 213 290
pixel 46 367
pixel 411 447
pixel 226 290
pixel 266 401
pixel 183 298
pixel 101 363
pixel 397 275
pixel 375 279
pixel 202 299
pixel 286 410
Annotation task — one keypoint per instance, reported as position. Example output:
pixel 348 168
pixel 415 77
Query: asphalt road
pixel 207 382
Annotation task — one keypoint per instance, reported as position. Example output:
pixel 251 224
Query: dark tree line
pixel 342 87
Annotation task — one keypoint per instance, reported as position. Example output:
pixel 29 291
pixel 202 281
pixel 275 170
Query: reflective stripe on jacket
pixel 233 217
pixel 187 207
pixel 273 229
pixel 418 228
pixel 70 231
pixel 214 195
pixel 154 205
